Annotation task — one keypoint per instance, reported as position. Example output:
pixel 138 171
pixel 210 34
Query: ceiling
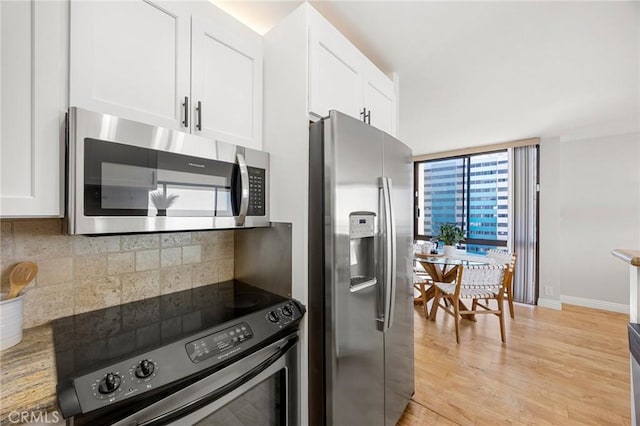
pixel 475 73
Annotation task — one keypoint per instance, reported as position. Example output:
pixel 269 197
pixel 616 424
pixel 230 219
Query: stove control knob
pixel 145 369
pixel 286 310
pixel 273 316
pixel 109 384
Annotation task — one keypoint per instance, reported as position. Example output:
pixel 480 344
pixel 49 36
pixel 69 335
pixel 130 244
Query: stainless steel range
pixel 220 354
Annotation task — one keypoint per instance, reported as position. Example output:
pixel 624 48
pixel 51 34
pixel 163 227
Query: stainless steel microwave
pixel 129 177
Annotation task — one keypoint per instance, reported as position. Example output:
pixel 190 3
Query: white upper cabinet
pixel 183 65
pixel 131 59
pixel 342 78
pixel 34 52
pixel 379 99
pixel 227 81
pixel 335 73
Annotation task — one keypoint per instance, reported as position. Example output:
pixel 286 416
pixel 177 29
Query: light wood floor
pixel 568 367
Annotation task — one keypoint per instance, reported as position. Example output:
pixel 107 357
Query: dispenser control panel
pixel 362 225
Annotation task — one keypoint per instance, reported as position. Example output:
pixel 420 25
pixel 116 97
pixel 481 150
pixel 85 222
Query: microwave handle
pixel 244 192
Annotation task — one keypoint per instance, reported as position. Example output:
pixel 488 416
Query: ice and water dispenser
pixel 362 250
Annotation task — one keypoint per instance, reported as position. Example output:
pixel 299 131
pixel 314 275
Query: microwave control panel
pixel 257 192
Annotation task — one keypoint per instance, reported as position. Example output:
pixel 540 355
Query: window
pixel 471 191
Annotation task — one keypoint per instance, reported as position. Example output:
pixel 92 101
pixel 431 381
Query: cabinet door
pixel 227 80
pixel 34 39
pixel 334 72
pixel 379 100
pixel 131 59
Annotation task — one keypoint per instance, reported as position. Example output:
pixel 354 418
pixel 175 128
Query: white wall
pixel 550 207
pixel 589 205
pixel 286 138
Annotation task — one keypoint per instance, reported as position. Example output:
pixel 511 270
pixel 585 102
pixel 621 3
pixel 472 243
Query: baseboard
pixel 595 304
pixel 550 303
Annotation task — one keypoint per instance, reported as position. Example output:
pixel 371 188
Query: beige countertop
pixel 28 375
pixel 632 257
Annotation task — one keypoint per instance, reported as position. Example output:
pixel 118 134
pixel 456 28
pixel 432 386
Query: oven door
pixel 259 390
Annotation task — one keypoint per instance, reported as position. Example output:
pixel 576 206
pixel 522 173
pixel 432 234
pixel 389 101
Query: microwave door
pixel 131 177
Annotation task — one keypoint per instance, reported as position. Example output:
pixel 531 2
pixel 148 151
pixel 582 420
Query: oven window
pixel 262 405
pixel 124 180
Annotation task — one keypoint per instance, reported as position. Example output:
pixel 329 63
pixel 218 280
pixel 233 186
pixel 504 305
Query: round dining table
pixel 443 269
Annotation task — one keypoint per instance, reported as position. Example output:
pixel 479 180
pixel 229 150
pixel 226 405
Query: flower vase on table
pixel 450 234
pixel 450 251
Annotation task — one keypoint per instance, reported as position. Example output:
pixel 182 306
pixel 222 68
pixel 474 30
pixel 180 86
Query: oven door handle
pixel 212 396
pixel 244 191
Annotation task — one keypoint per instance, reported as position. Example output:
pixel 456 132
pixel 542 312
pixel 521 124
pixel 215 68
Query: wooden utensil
pixel 21 275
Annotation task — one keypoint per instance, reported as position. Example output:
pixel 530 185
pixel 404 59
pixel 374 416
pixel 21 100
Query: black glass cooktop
pixel 87 341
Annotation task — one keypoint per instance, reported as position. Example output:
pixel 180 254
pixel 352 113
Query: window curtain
pixel 525 226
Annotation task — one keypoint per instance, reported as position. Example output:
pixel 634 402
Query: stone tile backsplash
pixel 78 274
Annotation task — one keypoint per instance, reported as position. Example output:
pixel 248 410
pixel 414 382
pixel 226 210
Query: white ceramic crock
pixel 10 321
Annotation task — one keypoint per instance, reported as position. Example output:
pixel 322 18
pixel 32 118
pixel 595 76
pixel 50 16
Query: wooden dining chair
pixel 475 282
pixel 422 280
pixel 510 259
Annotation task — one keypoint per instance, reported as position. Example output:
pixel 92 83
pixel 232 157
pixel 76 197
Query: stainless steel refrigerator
pixel 360 268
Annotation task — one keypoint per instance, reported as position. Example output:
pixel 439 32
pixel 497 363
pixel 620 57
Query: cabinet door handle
pixel 367 117
pixel 199 122
pixel 363 114
pixel 186 111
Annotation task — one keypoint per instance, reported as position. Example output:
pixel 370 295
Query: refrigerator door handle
pixel 389 244
pixel 392 263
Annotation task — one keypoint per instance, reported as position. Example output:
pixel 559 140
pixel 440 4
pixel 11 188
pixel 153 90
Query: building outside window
pixel 471 191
